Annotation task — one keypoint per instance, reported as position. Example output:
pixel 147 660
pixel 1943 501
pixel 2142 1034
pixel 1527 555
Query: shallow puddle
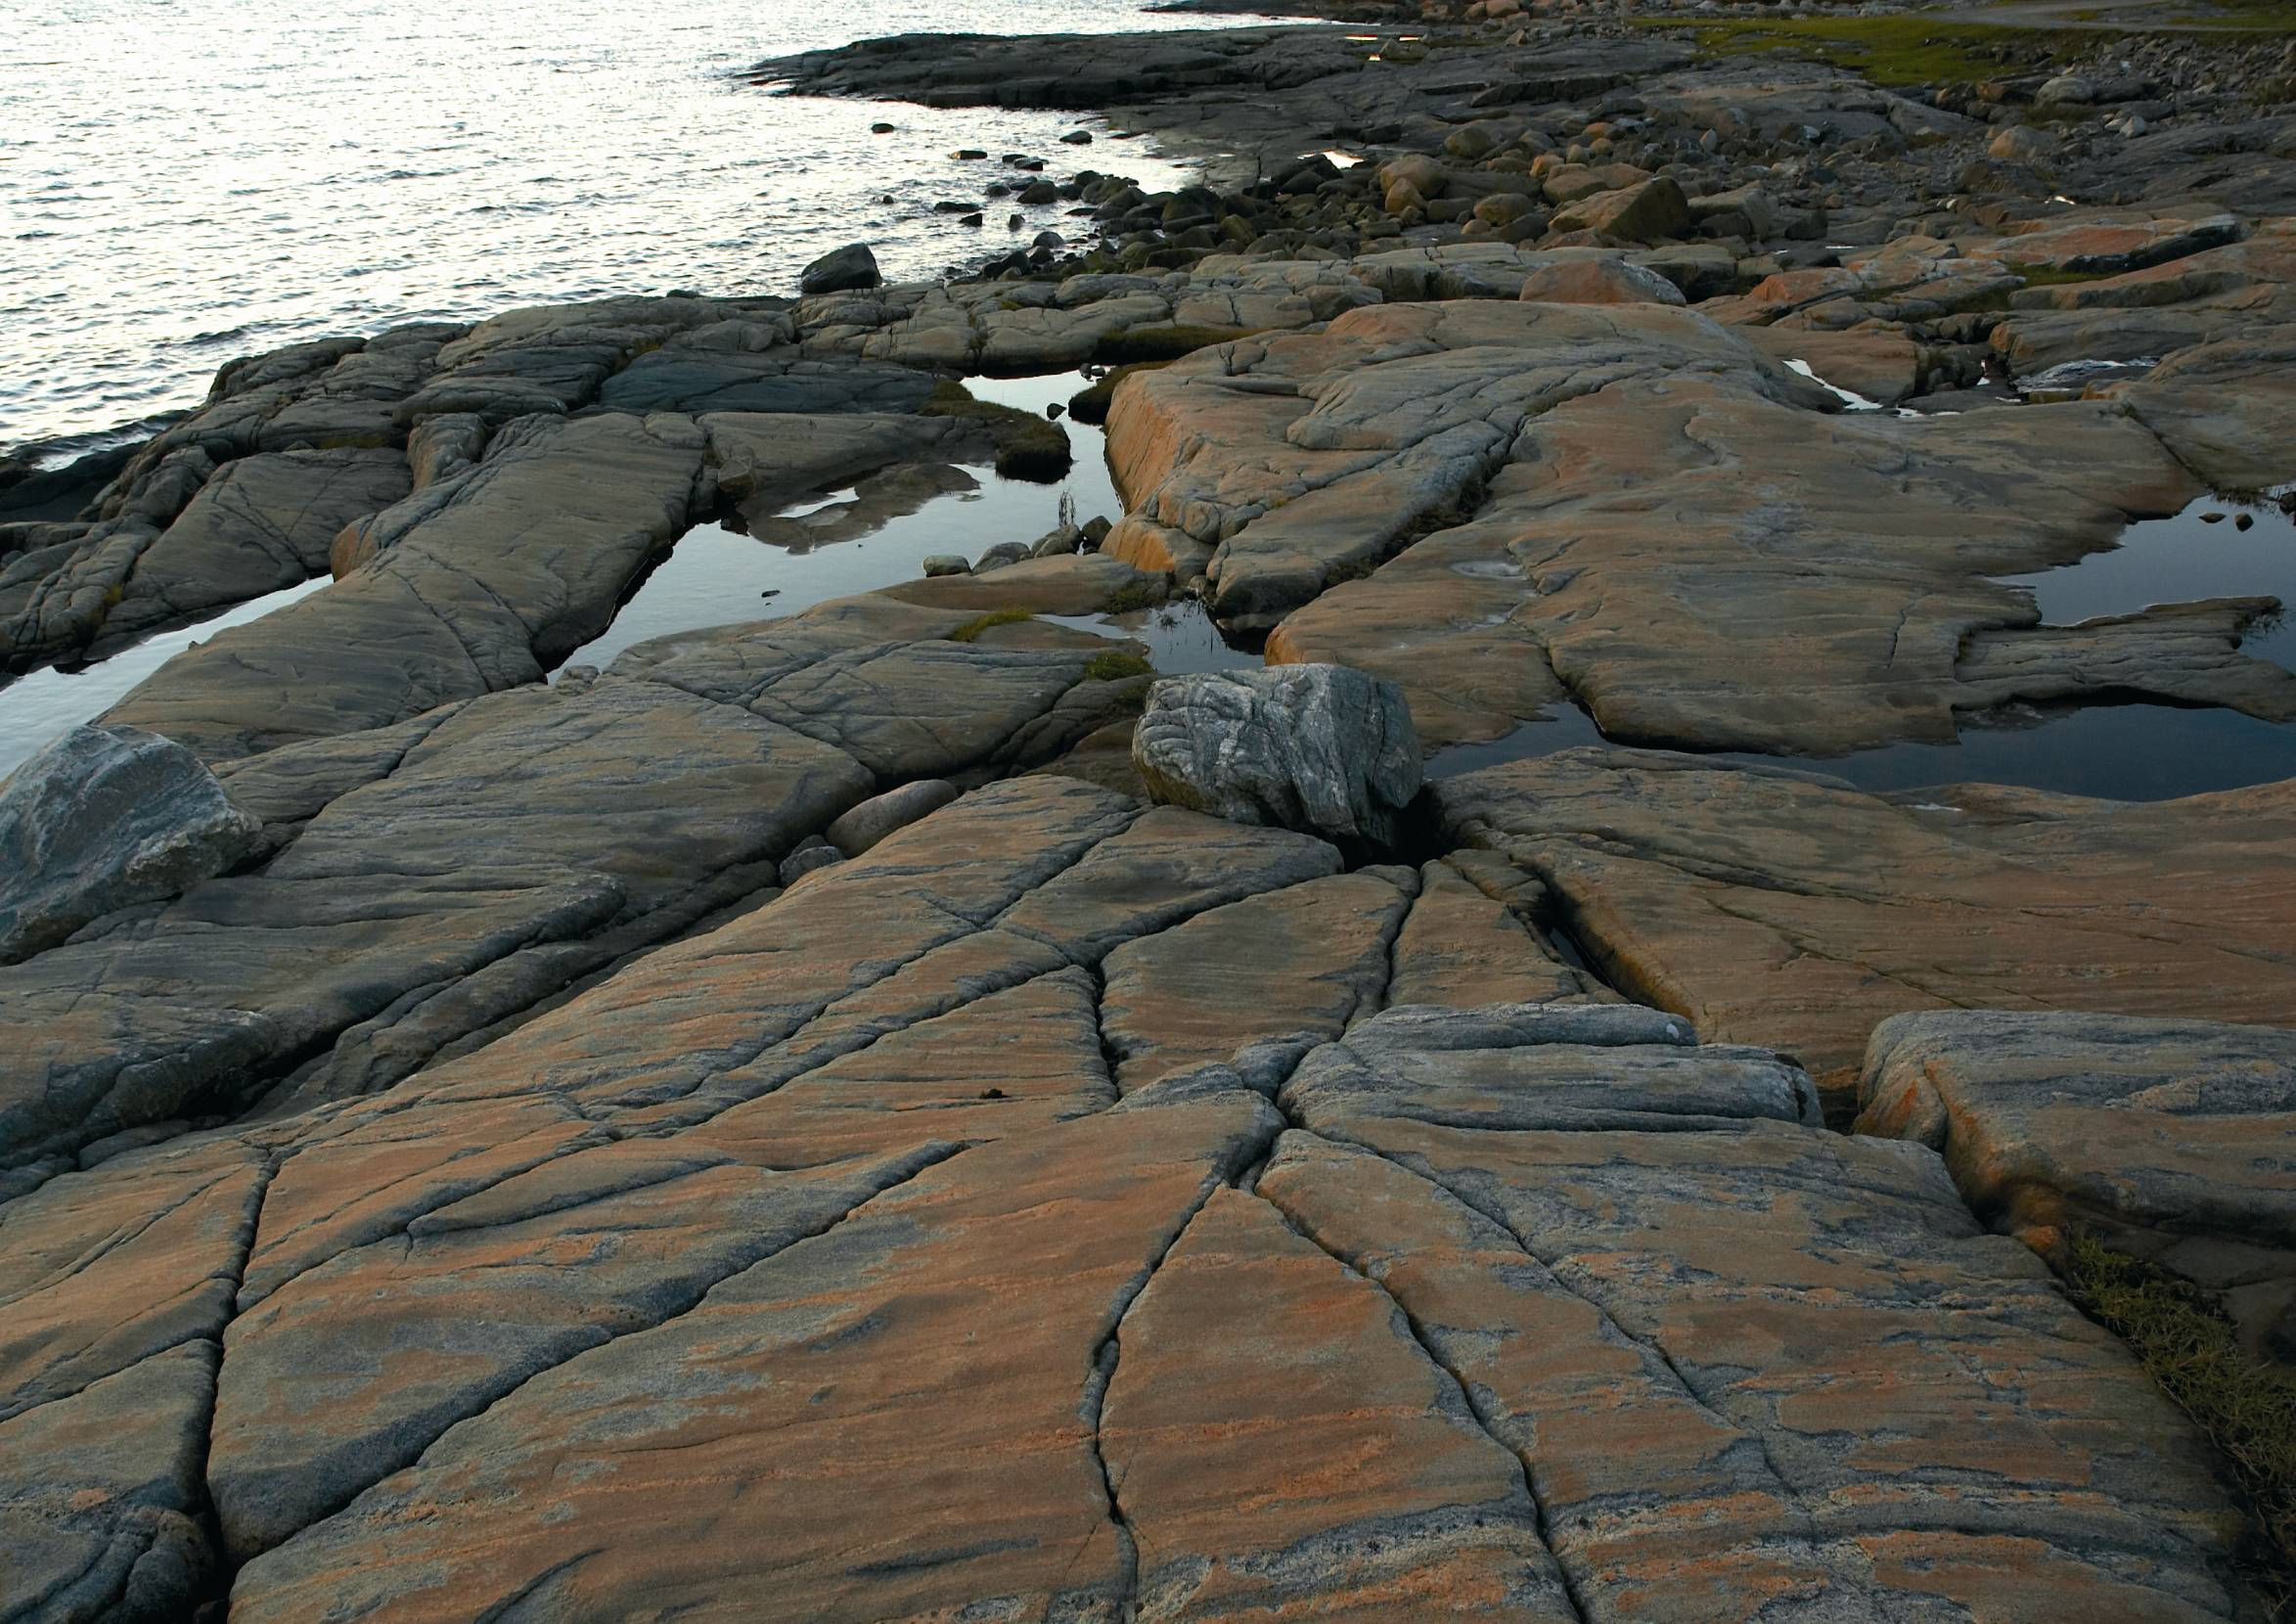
pixel 2135 751
pixel 718 576
pixel 1180 636
pixel 2114 751
pixel 2176 559
pixel 714 576
pixel 43 707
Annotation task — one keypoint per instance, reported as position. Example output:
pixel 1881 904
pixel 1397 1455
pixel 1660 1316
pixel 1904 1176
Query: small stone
pixel 818 854
pixel 1077 138
pixel 896 809
pixel 1001 555
pixel 946 563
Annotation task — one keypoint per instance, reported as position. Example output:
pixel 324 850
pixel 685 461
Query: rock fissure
pixel 1468 1402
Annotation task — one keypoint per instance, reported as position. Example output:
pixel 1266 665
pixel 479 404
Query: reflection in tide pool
pixel 1180 637
pixel 718 576
pixel 2184 557
pixel 42 706
pixel 2113 752
pixel 2137 751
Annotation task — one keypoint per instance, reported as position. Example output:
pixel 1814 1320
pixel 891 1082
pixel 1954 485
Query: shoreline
pixel 1618 945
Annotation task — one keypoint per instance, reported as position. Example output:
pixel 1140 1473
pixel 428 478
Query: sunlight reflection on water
pixel 183 185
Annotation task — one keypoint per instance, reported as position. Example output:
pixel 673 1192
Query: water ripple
pixel 240 168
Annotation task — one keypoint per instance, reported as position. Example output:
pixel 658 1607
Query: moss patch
pixel 2248 1409
pixel 1900 50
pixel 1165 342
pixel 1028 446
pixel 1091 403
pixel 1133 595
pixel 972 628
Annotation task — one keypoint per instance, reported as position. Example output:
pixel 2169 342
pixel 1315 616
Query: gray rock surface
pixel 1326 749
pixel 2172 1139
pixel 104 819
pixel 448 879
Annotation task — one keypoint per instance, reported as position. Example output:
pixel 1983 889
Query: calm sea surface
pixel 181 184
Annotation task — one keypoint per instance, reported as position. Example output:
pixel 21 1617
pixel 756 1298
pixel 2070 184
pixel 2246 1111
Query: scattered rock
pixel 1323 748
pixel 814 854
pixel 856 831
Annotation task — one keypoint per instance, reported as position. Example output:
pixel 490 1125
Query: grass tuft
pixel 2192 1350
pixel 1117 666
pixel 972 628
pixel 1133 595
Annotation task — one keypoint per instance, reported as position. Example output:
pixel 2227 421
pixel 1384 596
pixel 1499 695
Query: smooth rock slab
pixel 105 818
pixel 742 1459
pixel 1326 749
pixel 262 523
pixel 2174 1139
pixel 479 583
pixel 101 1496
pixel 1800 914
pixel 1273 974
pixel 1541 1067
pixel 1279 1443
pixel 483 1294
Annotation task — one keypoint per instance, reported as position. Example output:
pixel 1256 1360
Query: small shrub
pixel 2192 1350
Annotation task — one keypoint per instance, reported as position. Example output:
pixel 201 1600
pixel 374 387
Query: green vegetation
pixel 1900 50
pixel 1165 342
pixel 1091 403
pixel 972 628
pixel 1133 595
pixel 1028 446
pixel 2255 17
pixel 2190 1347
pixel 1116 666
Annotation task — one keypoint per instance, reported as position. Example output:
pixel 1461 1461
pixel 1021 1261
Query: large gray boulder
pixel 102 818
pixel 1327 750
pixel 840 270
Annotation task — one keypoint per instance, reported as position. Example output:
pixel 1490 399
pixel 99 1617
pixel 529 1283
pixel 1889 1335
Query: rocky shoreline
pixel 939 1105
